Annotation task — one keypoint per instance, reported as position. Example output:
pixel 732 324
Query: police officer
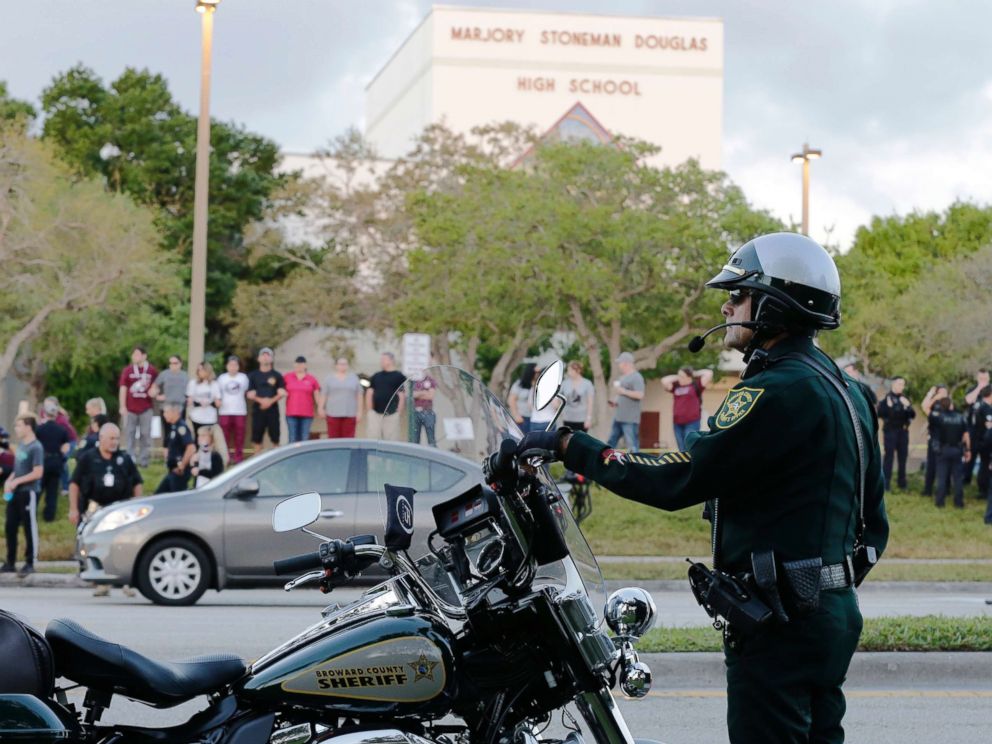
pixel 954 446
pixel 103 475
pixel 932 404
pixel 772 493
pixel 895 412
pixel 972 413
pixel 179 450
pixel 981 439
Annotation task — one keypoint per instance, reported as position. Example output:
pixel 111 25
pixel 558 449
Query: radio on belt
pixel 464 512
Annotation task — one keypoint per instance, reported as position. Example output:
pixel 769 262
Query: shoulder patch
pixel 736 406
pixel 613 455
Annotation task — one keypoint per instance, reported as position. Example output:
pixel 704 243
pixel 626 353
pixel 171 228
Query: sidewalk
pixel 62 574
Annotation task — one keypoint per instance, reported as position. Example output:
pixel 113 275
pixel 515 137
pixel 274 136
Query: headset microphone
pixel 696 344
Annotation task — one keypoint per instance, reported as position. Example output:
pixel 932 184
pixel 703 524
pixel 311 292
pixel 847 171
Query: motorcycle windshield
pixel 437 430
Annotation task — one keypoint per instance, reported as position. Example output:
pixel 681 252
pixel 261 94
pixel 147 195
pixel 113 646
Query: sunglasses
pixel 737 296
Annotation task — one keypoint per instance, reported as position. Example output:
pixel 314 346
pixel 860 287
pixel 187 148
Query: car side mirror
pixel 246 489
pixel 296 512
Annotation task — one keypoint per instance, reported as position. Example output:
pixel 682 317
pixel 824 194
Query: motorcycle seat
pixel 91 661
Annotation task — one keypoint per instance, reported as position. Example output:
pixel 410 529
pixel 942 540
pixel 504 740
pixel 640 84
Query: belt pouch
pixel 803 578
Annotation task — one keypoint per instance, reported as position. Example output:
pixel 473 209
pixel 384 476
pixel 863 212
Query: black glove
pixel 542 440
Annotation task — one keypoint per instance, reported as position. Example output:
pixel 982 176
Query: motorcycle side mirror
pixel 296 512
pixel 548 384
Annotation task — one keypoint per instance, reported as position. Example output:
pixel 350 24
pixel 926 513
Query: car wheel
pixel 174 571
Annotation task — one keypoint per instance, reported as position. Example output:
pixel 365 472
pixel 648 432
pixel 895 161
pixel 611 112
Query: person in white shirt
pixel 233 386
pixel 206 463
pixel 203 397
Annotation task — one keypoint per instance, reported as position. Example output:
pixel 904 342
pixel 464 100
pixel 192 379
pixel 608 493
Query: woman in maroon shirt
pixel 686 388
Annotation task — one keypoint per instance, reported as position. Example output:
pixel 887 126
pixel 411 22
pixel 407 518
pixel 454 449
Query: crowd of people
pixel 626 396
pixel 959 440
pixel 204 410
pixel 200 415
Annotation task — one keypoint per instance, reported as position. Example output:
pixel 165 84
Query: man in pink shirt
pixel 134 393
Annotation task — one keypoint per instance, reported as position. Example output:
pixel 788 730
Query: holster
pixel 765 576
pixel 725 597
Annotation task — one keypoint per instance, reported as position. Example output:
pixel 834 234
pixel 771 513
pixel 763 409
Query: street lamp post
pixel 198 278
pixel 804 157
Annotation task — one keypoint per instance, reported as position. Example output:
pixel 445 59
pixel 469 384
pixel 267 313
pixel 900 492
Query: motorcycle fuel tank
pixel 383 665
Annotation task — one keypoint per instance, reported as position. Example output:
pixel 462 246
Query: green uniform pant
pixel 784 683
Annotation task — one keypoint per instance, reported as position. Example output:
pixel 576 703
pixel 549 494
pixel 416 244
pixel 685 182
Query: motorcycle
pixel 480 634
pixel 575 488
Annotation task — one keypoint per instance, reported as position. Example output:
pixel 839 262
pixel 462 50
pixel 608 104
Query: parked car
pixel 173 547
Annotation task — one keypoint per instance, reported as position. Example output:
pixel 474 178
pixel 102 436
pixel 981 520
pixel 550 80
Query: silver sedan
pixel 173 547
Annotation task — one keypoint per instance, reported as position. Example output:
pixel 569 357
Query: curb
pixel 44 580
pixel 888 669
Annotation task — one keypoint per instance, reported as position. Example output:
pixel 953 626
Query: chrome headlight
pixel 122 516
pixel 630 612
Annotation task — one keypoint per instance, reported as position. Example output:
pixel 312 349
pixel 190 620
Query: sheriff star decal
pixel 736 406
pixel 423 668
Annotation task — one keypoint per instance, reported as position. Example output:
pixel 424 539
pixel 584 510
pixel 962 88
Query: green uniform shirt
pixel 780 459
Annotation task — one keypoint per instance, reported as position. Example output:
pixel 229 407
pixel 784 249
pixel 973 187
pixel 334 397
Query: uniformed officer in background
pixel 103 475
pixel 179 450
pixel 932 404
pixel 780 466
pixel 953 451
pixel 973 402
pixel 981 440
pixel 896 413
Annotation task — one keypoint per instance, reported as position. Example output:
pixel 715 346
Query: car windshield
pixel 451 410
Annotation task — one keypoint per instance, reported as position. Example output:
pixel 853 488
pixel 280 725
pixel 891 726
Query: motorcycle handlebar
pixel 298 563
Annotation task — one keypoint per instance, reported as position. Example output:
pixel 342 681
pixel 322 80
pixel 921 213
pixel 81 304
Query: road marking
pixel 847 693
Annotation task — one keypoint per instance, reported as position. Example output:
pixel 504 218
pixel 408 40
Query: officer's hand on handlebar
pixel 542 440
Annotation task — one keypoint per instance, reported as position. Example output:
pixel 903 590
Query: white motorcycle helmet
pixel 794 279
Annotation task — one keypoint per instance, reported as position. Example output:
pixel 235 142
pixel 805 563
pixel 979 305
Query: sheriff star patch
pixel 736 406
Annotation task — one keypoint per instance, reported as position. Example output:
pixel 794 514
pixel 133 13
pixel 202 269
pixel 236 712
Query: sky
pixel 897 93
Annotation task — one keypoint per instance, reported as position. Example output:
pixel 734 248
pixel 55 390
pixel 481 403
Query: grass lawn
pixel 58 538
pixel 926 633
pixel 918 529
pixel 883 572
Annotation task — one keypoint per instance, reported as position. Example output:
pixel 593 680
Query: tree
pixel 476 274
pixel 75 257
pixel 134 135
pixel 938 330
pixel 13 110
pixel 584 239
pixel 895 257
